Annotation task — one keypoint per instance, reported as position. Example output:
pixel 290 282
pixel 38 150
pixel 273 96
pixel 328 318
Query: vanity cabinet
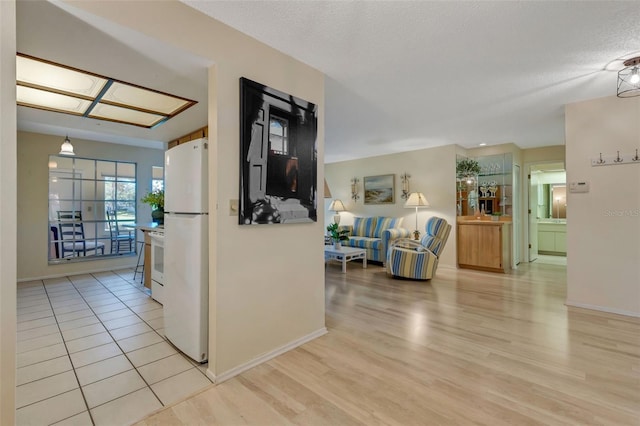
pixel 552 238
pixel 484 244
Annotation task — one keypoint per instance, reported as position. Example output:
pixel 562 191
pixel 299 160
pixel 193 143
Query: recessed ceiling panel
pixel 46 85
pixel 33 72
pixel 36 98
pixel 148 100
pixel 125 115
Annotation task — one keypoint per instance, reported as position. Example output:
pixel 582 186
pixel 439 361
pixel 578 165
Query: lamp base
pixel 336 219
pixel 416 235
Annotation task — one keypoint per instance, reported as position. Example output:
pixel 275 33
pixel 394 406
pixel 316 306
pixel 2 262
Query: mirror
pixel 92 208
pixel 552 201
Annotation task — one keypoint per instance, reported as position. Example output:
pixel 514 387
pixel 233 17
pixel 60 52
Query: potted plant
pixel 156 200
pixel 495 216
pixel 337 234
pixel 467 167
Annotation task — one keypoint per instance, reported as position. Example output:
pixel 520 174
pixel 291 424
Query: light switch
pixel 233 207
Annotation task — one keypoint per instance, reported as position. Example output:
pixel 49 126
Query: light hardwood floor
pixel 466 348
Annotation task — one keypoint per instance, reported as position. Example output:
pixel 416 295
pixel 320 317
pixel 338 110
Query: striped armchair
pixel 418 260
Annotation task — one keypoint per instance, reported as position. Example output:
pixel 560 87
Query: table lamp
pixel 327 192
pixel 417 200
pixel 337 206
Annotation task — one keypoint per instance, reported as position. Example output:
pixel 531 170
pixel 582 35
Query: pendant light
pixel 66 148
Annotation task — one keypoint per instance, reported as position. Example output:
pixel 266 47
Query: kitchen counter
pixel 145 226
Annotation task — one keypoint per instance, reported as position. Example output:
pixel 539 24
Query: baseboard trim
pixel 603 309
pixel 264 357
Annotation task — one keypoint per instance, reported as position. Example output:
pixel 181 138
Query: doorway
pixel 547 213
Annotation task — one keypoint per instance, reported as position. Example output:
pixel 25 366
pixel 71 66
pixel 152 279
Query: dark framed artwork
pixel 379 189
pixel 278 156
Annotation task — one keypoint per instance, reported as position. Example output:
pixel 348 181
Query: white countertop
pixel 145 227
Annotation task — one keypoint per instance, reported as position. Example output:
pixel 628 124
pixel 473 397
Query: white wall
pixel 266 282
pixel 603 226
pixel 551 177
pixel 7 211
pixel 33 177
pixel 433 172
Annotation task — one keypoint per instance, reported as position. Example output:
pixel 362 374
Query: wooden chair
pixel 71 234
pixel 119 239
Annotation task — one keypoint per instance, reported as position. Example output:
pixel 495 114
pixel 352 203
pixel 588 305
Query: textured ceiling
pixel 410 75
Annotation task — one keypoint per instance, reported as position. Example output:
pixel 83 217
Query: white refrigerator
pixel 186 253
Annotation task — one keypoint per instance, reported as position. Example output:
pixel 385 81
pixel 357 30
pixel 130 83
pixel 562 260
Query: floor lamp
pixel 417 200
pixel 337 206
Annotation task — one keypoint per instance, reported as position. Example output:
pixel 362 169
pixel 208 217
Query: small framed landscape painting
pixel 379 189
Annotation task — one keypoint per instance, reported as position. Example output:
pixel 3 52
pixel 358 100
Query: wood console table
pixel 484 244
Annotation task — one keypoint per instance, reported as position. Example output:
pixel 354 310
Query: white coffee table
pixel 344 255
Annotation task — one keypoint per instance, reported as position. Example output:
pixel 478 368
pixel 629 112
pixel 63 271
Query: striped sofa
pixel 419 259
pixel 374 234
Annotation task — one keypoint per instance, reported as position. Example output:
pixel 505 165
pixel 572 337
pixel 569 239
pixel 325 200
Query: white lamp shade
pixel 416 199
pixel 66 148
pixel 337 206
pixel 327 192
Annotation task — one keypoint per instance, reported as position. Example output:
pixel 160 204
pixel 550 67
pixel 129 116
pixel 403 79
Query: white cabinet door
pixel 546 241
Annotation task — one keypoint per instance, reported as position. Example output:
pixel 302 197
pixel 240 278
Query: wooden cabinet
pixel 200 133
pixel 484 245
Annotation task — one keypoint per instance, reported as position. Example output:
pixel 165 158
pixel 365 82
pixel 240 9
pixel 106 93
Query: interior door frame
pixel 525 199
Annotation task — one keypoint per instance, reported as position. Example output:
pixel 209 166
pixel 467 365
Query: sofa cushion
pixel 364 226
pixel 384 223
pixel 364 242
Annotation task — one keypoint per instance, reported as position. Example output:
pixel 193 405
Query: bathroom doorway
pixel 548 213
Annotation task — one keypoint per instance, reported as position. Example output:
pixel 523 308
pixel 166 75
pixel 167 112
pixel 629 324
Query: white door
pixel 533 216
pixel 516 215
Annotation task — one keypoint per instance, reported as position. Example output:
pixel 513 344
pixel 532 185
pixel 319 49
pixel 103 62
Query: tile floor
pixel 91 350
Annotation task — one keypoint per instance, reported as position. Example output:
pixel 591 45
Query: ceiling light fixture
pixel 66 148
pixel 629 78
pixel 55 87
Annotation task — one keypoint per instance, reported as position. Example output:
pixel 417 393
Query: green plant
pixel 155 199
pixel 467 167
pixel 496 214
pixel 336 233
